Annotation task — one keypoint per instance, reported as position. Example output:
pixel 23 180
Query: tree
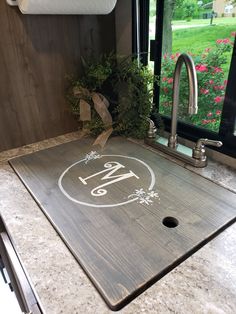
pixel 169 6
pixel 189 7
pixel 168 14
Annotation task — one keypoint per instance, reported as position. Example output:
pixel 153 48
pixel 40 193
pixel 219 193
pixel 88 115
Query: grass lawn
pixel 197 39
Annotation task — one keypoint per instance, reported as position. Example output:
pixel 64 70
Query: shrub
pixel 190 8
pixel 186 9
pixel 211 85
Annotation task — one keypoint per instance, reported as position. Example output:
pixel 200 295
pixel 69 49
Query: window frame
pixel 144 7
pixel 185 130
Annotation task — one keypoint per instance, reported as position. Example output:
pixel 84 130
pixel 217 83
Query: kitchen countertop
pixel 204 283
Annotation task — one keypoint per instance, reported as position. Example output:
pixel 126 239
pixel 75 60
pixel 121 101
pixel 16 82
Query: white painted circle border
pixel 153 181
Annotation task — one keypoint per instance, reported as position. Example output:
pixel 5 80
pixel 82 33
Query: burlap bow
pixel 101 105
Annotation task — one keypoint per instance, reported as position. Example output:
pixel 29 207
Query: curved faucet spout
pixel 193 94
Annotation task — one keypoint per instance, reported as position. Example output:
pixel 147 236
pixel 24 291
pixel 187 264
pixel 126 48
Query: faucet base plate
pixel 181 152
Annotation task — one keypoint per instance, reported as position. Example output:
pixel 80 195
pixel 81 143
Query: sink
pixel 127 214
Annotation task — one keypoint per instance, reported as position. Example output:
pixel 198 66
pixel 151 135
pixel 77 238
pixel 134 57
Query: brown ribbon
pixel 101 105
pixel 103 137
pixel 85 110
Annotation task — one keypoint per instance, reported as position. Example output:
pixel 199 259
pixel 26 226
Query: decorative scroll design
pixel 144 197
pixel 91 156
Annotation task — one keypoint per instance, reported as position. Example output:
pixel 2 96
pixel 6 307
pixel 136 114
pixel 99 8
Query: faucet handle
pixel 199 151
pixel 204 141
pixel 152 130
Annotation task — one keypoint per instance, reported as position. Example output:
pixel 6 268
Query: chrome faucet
pixel 196 156
pixel 193 94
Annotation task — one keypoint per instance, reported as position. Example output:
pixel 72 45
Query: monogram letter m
pixel 111 168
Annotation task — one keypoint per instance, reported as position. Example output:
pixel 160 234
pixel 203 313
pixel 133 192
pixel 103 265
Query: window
pixel 201 30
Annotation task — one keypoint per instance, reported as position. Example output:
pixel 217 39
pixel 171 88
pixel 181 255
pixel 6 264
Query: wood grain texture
pixel 124 249
pixel 36 55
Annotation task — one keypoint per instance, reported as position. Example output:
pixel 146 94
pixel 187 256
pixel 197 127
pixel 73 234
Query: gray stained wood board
pixel 37 54
pixel 109 205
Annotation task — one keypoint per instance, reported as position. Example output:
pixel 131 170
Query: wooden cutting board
pixel 128 215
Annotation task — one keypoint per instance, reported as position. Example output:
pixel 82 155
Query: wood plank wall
pixel 36 54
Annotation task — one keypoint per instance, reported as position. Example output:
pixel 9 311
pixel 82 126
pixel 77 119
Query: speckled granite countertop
pixel 204 283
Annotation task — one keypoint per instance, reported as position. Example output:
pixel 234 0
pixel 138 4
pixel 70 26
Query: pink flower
pixel 220 87
pixel 218 99
pixel 201 68
pixel 233 34
pixel 226 40
pixel 172 57
pixel 209 114
pixel 164 79
pixel 225 82
pixel 177 54
pixel 217 70
pixel 218 112
pixel 223 41
pixel 207 49
pixel 170 80
pixel 211 82
pixel 204 91
pixel 205 121
pixel 213 120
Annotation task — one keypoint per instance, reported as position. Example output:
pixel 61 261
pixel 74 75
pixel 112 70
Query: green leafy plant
pixel 126 85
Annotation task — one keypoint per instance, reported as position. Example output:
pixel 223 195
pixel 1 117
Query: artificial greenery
pixel 127 86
